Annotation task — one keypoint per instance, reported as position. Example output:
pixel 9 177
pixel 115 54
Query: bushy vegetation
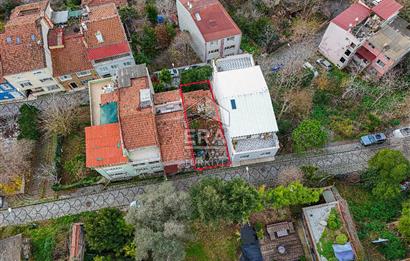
pixel 404 221
pixel 196 74
pixel 28 122
pixel 214 199
pixel 308 135
pixel 387 169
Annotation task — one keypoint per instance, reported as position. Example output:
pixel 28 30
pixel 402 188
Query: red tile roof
pixel 108 51
pixel 104 20
pixel 103 146
pixel 138 125
pixel 72 58
pixel 172 136
pixel 118 3
pixel 387 8
pixel 23 33
pixel 353 15
pixel 215 22
pixel 164 97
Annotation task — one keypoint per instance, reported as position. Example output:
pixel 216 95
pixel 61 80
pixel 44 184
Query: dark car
pixel 372 139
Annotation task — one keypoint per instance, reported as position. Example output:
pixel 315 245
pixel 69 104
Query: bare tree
pixel 166 7
pixel 15 162
pixel 59 118
pixel 391 82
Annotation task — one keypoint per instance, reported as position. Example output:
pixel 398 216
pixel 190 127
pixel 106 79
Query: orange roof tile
pixel 20 40
pixel 172 136
pixel 164 97
pixel 103 146
pixel 215 22
pixel 118 3
pixel 72 58
pixel 194 97
pixel 138 125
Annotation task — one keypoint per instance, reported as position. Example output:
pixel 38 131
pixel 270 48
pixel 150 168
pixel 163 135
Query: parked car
pixel 372 139
pixel 402 132
pixel 174 73
pixel 308 65
pixel 1 201
pixel 325 64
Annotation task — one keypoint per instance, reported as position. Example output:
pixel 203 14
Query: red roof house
pixel 387 9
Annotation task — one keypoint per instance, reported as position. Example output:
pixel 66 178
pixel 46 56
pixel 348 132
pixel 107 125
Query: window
pixel 104 69
pixel 9 40
pixel 348 52
pixel 353 45
pixel 230 38
pixel 18 40
pixel 387 57
pixel 229 47
pixel 372 46
pixel 114 66
pixel 244 156
pixel 85 82
pixel 342 60
pixel 46 79
pixel 233 104
pixel 73 85
pixel 265 153
pixel 26 84
pixel 39 89
pixel 127 63
pixel 380 63
pixel 83 73
pixel 213 51
pixel 214 43
pixel 52 87
pixel 65 77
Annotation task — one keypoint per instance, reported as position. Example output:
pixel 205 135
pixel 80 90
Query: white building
pixel 214 34
pixel 246 109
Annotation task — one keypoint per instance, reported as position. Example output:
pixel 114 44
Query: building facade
pixel 368 36
pixel 214 34
pixel 246 109
pixel 24 62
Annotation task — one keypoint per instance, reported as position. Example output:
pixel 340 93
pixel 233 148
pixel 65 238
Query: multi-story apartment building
pixel 368 36
pixel 105 39
pixel 214 34
pixel 246 109
pixel 24 63
pixel 132 132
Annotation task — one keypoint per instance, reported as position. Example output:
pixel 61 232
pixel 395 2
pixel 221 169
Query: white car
pixel 324 63
pixel 308 65
pixel 402 132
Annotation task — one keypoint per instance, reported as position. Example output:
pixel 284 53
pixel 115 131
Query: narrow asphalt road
pixel 337 160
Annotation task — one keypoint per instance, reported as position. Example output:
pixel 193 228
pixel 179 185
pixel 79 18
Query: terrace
pixel 206 136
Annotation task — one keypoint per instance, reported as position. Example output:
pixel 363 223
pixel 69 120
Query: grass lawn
pixel 372 218
pixel 216 243
pixel 49 239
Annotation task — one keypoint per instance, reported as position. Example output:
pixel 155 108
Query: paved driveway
pixel 341 159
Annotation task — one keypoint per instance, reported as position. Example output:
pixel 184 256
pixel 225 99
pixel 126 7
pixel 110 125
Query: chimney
pixel 145 98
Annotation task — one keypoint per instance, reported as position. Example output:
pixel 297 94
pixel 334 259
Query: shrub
pixel 341 239
pixel 76 166
pixel 309 134
pixel 260 231
pixel 196 74
pixel 28 122
pixel 404 221
pixel 152 13
pixel 334 222
pixel 343 127
pixel 165 76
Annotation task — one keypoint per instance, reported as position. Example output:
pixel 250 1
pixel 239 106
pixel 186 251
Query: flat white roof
pixel 245 99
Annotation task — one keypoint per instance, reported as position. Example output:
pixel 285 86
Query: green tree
pixel 209 201
pixel 292 195
pixel 28 122
pixel 159 221
pixel 106 231
pixel 148 42
pixel 127 14
pixel 242 198
pixel 165 76
pixel 196 74
pixel 387 169
pixel 404 221
pixel 214 199
pixel 308 135
pixel 152 13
